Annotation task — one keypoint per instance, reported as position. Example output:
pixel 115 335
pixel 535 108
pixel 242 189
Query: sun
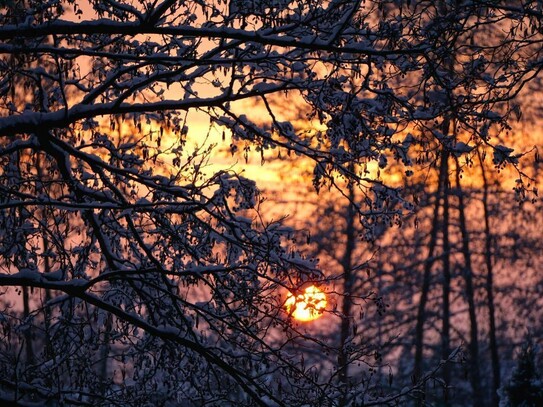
pixel 306 306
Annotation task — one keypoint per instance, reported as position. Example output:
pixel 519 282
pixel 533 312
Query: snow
pixel 179 272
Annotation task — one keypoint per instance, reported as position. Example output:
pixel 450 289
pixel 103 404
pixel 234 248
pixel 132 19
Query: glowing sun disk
pixel 306 306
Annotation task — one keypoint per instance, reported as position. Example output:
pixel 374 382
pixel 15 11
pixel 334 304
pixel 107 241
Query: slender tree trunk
pixel 29 350
pixel 470 294
pixel 346 264
pixel 489 287
pixel 49 350
pixel 104 352
pixel 46 312
pixel 421 312
pixel 45 241
pixel 446 291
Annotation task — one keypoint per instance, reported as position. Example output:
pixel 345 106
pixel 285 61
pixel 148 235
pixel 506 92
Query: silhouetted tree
pixel 151 279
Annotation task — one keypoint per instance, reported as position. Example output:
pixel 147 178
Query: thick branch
pixel 105 26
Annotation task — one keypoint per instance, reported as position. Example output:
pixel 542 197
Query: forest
pixel 271 203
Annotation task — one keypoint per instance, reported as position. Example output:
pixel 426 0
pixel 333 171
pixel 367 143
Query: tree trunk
pixel 421 312
pixel 29 350
pixel 489 288
pixel 446 291
pixel 19 263
pixel 470 294
pixel 346 264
